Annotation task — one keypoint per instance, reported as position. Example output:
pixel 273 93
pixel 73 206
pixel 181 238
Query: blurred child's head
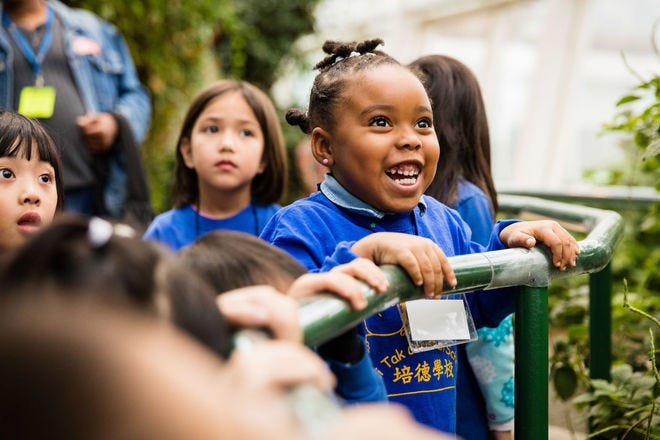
pixel 30 178
pixel 461 124
pixel 92 257
pixel 230 117
pixel 230 260
pixel 370 119
pixel 80 369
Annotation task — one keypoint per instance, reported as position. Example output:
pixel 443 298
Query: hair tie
pixel 99 232
pixel 351 55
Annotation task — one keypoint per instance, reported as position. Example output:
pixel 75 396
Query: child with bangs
pixel 30 179
pixel 371 124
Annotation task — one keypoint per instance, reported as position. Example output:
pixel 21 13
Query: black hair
pixel 344 59
pixel 19 135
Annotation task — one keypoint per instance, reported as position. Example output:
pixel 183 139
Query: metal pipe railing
pixel 324 316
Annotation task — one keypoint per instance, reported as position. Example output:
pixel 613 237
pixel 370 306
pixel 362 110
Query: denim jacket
pixel 107 82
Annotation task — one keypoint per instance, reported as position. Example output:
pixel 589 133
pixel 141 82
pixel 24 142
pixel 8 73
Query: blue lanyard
pixel 35 59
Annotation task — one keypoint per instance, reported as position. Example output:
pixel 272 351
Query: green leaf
pixel 626 99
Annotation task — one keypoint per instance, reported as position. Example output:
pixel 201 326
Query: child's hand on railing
pixel 421 258
pixel 345 281
pixel 562 244
pixel 262 307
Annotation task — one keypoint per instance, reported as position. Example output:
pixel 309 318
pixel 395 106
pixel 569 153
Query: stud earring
pixel 325 161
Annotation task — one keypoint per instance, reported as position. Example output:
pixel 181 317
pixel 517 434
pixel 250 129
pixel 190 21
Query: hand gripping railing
pixel 324 316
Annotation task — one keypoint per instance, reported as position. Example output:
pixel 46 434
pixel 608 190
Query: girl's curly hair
pixel 343 60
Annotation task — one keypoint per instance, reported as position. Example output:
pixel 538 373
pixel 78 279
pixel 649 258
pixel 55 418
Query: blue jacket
pixel 319 233
pixel 107 82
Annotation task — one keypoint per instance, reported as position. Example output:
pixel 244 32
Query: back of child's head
pixel 344 61
pixel 78 369
pixel 268 186
pixel 231 260
pixel 92 257
pixel 21 136
pixel 460 121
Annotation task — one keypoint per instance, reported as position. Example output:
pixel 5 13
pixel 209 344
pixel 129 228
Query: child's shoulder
pixel 171 216
pixel 315 202
pixel 435 208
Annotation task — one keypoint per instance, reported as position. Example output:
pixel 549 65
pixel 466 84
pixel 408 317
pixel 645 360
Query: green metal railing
pixel 325 316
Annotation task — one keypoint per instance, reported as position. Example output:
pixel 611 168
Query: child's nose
pixel 227 142
pixel 30 195
pixel 409 140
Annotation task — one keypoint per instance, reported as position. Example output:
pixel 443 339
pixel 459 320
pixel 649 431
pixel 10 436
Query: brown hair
pixel 268 186
pixel 231 259
pixel 460 122
pixel 117 266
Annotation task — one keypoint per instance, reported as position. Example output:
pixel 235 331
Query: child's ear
pixel 321 148
pixel 186 153
pixel 262 166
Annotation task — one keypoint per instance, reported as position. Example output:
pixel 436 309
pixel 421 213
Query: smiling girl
pixel 231 166
pixel 30 179
pixel 371 123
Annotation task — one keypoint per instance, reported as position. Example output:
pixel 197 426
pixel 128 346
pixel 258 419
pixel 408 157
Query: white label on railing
pixel 437 319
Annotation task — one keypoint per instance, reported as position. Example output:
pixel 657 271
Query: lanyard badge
pixel 37 101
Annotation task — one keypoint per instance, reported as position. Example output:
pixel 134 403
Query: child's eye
pixel 246 132
pixel 6 173
pixel 46 178
pixel 210 129
pixel 379 121
pixel 424 123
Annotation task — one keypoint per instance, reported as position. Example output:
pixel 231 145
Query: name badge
pixel 435 323
pixel 37 102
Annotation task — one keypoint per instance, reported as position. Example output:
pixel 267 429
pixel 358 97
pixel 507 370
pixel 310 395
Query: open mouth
pixel 404 174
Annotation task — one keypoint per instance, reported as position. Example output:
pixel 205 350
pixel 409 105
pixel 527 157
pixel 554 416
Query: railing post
pixel 600 323
pixel 531 370
pixel 600 326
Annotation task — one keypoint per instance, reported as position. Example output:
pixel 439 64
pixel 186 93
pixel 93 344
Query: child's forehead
pixel 386 82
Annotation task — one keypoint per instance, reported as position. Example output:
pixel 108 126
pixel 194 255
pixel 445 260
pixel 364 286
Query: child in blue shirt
pixel 231 166
pixel 371 124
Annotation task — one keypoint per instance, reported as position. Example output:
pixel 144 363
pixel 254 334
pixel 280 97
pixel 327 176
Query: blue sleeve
pixel 307 239
pixel 476 213
pixel 359 382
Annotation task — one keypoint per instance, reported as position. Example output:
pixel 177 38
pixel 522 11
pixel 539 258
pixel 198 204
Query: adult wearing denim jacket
pixel 102 73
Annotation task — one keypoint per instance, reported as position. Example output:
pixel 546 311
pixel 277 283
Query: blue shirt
pixel 319 232
pixel 179 227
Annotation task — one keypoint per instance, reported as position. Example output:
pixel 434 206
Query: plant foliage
pixel 627 405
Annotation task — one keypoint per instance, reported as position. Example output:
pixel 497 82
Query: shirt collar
pixel 338 195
